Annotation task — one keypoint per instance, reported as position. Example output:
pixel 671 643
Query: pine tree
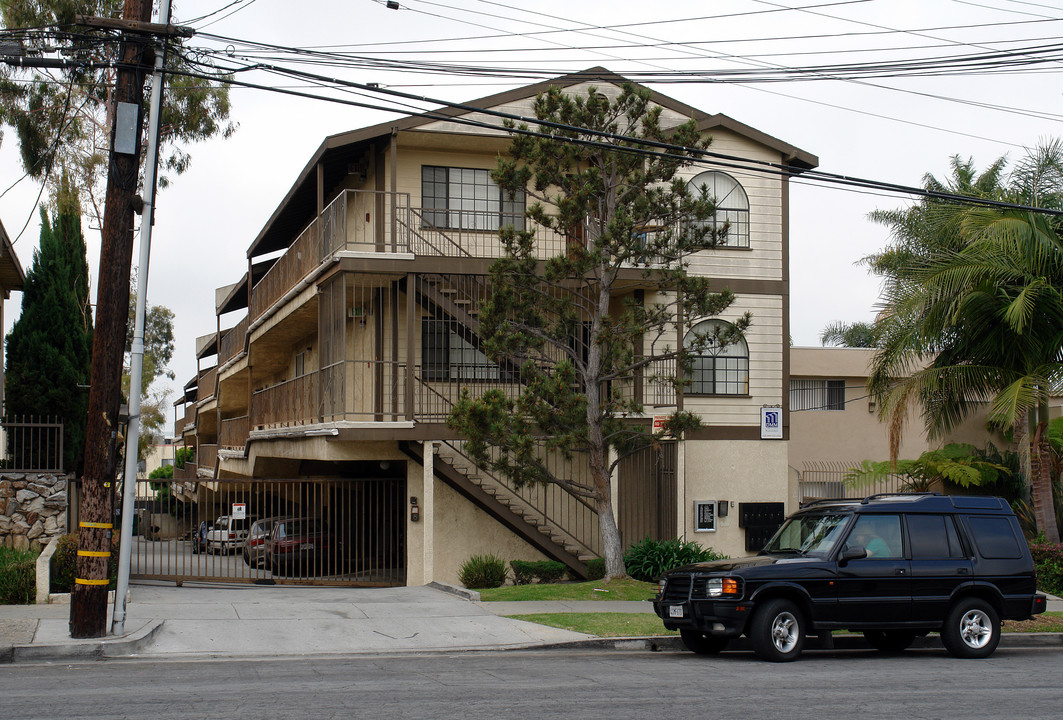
pixel 49 348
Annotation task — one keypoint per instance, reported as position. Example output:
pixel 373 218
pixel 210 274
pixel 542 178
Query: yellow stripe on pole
pixel 83 581
pixel 94 553
pixel 102 526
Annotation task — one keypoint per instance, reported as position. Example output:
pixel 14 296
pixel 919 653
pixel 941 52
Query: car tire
pixel 701 643
pixel 247 559
pixel 891 641
pixel 777 631
pixel 971 629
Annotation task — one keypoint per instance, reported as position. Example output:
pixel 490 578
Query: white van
pixel 228 535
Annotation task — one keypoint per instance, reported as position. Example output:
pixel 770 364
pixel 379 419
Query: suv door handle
pixel 962 571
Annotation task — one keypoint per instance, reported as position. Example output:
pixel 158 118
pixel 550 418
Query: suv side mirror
pixel 852 553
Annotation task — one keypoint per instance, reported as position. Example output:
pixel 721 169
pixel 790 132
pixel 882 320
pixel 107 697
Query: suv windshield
pixel 808 535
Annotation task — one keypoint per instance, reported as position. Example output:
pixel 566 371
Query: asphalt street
pixel 1015 684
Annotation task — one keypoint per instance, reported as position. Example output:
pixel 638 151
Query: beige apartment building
pixel 834 423
pixel 341 349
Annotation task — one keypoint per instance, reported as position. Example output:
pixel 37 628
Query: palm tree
pixel 973 310
pixel 852 335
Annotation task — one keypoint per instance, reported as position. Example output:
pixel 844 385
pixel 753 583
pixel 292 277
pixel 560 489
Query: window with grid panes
pixel 467 199
pixel 732 206
pixel 720 369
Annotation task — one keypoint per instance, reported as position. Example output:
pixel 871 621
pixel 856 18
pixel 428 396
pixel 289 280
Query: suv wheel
pixel 889 640
pixel 701 643
pixel 776 631
pixel 971 630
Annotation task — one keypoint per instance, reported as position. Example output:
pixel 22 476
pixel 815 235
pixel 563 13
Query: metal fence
pixel 32 444
pixel 348 532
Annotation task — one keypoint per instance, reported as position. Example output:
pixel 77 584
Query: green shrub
pixel 64 564
pixel 1048 559
pixel 482 571
pixel 18 577
pixel 648 559
pixel 596 569
pixel 545 571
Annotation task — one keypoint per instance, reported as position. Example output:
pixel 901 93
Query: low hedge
pixel 18 576
pixel 648 559
pixel 543 571
pixel 1048 558
pixel 482 571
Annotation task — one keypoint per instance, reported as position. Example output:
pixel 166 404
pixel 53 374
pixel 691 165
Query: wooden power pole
pixel 88 602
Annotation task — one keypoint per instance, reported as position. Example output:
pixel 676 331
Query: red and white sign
pixel 239 511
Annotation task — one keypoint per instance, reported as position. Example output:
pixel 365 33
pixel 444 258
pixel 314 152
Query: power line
pixel 660 149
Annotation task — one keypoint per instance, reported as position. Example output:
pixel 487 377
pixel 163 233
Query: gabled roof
pixel 335 154
pixel 11 275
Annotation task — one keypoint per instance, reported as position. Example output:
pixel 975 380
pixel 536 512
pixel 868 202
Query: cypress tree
pixel 49 349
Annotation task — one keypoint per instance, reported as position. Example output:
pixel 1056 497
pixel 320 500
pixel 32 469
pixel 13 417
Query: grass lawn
pixel 626 589
pixel 602 624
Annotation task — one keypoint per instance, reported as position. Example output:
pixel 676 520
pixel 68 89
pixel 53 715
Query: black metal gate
pixel 326 531
pixel 647 494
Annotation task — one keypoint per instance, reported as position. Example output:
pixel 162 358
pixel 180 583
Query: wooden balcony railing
pixel 208 454
pixel 294 402
pixel 234 432
pixel 382 222
pixel 232 342
pixel 207 382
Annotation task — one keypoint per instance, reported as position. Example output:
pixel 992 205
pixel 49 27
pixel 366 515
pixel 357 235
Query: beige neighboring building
pixel 341 350
pixel 834 424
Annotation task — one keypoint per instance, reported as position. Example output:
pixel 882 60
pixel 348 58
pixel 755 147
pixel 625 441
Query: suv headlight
pixel 660 586
pixel 718 587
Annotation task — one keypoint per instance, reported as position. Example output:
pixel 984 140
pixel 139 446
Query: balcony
pixel 232 342
pixel 207 382
pixel 383 222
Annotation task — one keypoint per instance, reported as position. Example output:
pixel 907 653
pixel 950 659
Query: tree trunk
pixel 1044 506
pixel 612 548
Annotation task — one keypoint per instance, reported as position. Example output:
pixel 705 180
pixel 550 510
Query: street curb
pixel 103 648
pixel 451 589
pixel 1020 641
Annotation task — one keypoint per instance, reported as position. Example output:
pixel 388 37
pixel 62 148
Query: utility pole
pixel 88 601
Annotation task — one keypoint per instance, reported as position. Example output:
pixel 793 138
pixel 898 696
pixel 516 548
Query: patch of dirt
pixel 1039 623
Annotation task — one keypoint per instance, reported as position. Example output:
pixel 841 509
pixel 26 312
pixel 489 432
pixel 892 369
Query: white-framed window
pixel 816 394
pixel 719 368
pixel 732 205
pixel 467 199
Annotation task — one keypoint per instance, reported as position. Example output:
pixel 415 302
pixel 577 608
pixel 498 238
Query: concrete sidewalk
pixel 257 621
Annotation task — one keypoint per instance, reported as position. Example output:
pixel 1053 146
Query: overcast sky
pixel 892 129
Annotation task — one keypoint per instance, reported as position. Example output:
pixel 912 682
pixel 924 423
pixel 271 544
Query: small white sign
pixel 771 423
pixel 239 511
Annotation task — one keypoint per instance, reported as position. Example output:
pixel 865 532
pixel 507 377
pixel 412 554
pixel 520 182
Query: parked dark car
pixel 893 567
pixel 298 544
pixel 256 547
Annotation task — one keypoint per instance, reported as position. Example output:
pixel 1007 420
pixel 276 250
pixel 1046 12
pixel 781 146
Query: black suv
pixel 892 566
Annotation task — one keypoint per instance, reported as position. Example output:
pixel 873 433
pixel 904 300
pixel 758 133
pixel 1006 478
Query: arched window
pixel 719 367
pixel 732 205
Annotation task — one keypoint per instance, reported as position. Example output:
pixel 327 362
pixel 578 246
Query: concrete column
pixel 428 511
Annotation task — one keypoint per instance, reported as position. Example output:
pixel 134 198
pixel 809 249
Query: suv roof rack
pixel 825 501
pixel 879 496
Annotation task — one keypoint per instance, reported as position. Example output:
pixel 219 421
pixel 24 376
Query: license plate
pixel 675 611
pixel 308 546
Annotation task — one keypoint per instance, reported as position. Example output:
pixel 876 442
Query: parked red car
pixel 297 543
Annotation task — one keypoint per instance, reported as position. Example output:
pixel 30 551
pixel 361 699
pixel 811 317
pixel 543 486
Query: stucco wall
pixel 736 471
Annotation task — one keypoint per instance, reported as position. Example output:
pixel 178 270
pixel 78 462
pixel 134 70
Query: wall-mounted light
pixel 415 509
pixel 871 406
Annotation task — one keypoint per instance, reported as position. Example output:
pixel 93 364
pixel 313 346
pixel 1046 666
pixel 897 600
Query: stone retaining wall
pixel 32 509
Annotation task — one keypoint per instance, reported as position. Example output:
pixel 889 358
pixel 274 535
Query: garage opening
pixel 307 531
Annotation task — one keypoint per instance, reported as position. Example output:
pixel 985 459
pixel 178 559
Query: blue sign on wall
pixel 771 423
